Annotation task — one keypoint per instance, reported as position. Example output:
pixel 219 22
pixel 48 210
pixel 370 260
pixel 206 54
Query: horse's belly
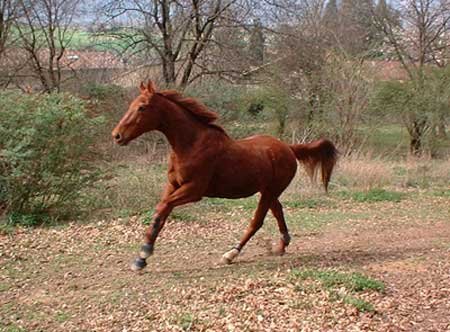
pixel 236 183
pixel 232 192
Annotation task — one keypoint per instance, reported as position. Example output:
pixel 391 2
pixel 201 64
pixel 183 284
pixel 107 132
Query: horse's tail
pixel 321 153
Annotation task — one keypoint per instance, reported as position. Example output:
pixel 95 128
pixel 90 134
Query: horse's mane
pixel 193 106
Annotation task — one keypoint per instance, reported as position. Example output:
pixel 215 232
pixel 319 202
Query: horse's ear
pixel 142 87
pixel 151 87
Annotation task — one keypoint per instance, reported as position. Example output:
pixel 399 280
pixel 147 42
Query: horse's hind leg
pixel 256 223
pixel 277 211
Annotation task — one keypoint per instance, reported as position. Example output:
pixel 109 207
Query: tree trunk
pixel 169 71
pixel 417 133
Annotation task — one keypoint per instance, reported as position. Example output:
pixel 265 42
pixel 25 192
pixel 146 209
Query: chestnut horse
pixel 205 161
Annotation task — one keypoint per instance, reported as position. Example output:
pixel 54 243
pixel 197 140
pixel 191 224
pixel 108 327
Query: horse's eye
pixel 141 108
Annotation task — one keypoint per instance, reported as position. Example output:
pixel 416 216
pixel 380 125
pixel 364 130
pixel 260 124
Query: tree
pixel 419 41
pixel 8 13
pixel 356 32
pixel 176 33
pixel 420 112
pixel 256 44
pixel 330 16
pixel 44 30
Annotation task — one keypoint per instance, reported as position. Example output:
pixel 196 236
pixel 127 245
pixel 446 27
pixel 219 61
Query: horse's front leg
pixel 186 193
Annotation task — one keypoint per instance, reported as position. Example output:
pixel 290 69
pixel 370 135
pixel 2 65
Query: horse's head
pixel 142 116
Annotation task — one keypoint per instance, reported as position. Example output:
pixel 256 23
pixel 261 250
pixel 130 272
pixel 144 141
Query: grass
pixel 359 304
pixel 185 321
pixel 182 287
pixel 442 193
pixel 352 282
pixel 388 139
pixel 306 203
pixel 61 317
pixel 373 195
pixel 11 328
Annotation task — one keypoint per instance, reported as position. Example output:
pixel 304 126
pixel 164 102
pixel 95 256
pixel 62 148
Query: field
pixel 373 255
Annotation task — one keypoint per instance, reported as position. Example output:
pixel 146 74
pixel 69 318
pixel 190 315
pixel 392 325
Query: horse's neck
pixel 181 129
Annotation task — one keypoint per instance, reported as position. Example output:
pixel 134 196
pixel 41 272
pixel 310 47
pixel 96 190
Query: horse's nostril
pixel 117 137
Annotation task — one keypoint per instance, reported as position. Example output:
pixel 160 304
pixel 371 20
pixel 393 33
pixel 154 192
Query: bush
pixel 45 155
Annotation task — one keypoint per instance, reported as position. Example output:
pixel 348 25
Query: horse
pixel 205 162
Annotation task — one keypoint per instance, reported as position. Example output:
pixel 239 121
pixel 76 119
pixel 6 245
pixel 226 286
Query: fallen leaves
pixel 77 277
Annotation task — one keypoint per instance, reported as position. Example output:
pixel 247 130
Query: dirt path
pixel 76 278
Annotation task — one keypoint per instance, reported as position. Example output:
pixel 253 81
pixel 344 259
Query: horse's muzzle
pixel 119 139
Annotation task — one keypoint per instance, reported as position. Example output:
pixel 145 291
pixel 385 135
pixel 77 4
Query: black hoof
pixel 138 264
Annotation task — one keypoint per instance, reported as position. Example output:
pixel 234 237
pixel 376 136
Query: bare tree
pixel 419 35
pixel 8 13
pixel 177 33
pixel 44 30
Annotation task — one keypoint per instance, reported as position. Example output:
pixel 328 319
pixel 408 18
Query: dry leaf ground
pixel 76 277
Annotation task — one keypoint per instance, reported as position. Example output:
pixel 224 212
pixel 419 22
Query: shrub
pixel 422 105
pixel 45 154
pixel 102 91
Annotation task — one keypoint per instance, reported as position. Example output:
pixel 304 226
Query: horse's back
pixel 254 164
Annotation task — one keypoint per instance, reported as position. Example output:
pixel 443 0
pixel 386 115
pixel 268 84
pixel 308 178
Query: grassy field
pixel 373 255
pixel 76 39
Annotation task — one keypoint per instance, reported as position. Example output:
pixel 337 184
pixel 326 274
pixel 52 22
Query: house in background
pixel 76 67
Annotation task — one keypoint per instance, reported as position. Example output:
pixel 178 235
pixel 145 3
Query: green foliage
pixel 102 92
pixel 274 101
pixel 45 155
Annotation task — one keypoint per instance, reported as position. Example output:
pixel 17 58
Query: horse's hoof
pixel 138 264
pixel 228 257
pixel 226 261
pixel 278 252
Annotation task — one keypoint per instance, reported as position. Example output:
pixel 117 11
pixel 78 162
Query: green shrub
pixel 46 155
pixel 102 91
